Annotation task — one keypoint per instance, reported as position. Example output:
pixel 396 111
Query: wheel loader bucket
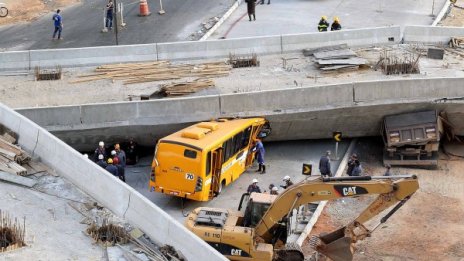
pixel 336 246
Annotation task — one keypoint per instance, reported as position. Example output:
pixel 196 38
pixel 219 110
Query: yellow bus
pixel 198 161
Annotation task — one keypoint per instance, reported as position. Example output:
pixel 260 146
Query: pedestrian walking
pixel 101 161
pixel 58 22
pixel 251 6
pixel 109 14
pixel 357 170
pixel 323 24
pixel 287 181
pixel 351 164
pixel 324 165
pixel 387 170
pixel 100 150
pixel 260 151
pixel 336 25
pixel 132 153
pixel 253 187
pixel 112 168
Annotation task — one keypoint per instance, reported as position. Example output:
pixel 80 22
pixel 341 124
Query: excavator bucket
pixel 336 245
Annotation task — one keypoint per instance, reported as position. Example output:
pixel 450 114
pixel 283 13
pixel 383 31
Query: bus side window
pixel 208 163
pixel 246 137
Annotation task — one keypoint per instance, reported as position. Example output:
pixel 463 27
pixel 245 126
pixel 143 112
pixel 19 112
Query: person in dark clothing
pixel 357 170
pixel 323 24
pixel 100 151
pixel 387 170
pixel 121 155
pixel 260 156
pixel 58 22
pixel 112 168
pixel 336 25
pixel 132 153
pixel 254 187
pixel 251 6
pixel 109 14
pixel 101 161
pixel 351 164
pixel 324 165
pixel 287 181
pixel 268 2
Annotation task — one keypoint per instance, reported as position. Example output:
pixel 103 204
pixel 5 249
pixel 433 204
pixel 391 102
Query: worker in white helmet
pixel 100 150
pixel 287 181
pixel 254 187
pixel 275 191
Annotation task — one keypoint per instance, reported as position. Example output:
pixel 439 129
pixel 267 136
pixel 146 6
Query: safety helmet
pixel 100 157
pixel 255 181
pixel 286 178
pixel 101 144
pixel 336 19
pixel 110 161
pixel 275 189
pixel 324 17
pixel 113 152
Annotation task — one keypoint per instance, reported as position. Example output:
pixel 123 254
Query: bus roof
pixel 204 135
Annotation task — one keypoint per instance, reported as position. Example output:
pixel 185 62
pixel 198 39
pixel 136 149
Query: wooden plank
pixel 309 52
pixel 11 178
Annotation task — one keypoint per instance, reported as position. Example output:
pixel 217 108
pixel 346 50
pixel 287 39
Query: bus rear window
pixel 190 154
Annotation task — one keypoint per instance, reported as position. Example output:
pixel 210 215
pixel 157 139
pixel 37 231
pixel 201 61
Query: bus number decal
pixel 188 176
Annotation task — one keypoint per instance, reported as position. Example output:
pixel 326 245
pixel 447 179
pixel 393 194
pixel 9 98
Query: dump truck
pixel 412 138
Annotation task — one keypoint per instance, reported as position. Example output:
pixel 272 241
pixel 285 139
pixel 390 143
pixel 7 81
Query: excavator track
pixel 292 252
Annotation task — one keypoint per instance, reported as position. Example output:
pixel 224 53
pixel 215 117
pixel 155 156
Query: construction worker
pixel 101 161
pixel 287 181
pixel 336 25
pixel 324 165
pixel 118 165
pixel 111 168
pixel 120 154
pixel 99 151
pixel 275 191
pixel 259 147
pixel 254 187
pixel 357 170
pixel 351 164
pixel 132 153
pixel 323 24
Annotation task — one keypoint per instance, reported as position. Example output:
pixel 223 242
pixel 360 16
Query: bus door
pixel 251 154
pixel 216 170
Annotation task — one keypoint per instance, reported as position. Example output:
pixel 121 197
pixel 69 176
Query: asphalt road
pixel 282 158
pixel 83 24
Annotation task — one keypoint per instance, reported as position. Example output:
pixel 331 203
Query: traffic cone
pixel 144 11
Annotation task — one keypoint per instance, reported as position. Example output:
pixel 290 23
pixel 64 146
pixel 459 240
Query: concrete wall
pixel 27 60
pixel 105 188
pixel 431 34
pixel 299 113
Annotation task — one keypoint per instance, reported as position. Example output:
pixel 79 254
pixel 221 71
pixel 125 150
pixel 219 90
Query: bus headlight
pixel 199 184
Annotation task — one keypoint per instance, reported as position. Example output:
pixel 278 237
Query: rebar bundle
pixel 393 64
pixel 12 233
pixel 108 234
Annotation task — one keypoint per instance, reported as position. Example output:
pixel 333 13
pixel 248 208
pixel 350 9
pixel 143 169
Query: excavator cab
pixel 256 205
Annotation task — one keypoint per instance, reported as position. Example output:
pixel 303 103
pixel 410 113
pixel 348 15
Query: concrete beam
pixel 431 34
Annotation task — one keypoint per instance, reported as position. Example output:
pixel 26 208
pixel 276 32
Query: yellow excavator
pixel 260 232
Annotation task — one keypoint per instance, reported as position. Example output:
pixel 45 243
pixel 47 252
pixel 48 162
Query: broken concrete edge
pixel 442 13
pixel 322 204
pixel 106 189
pixel 221 20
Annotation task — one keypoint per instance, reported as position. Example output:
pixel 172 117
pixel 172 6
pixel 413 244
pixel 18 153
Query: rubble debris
pixel 12 178
pixel 165 253
pixel 392 63
pixel 132 73
pixel 21 156
pixel 107 234
pixel 456 42
pixel 183 88
pixel 48 74
pixel 243 61
pixel 12 233
pixel 11 156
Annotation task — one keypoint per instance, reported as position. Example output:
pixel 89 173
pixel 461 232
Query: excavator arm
pixel 338 244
